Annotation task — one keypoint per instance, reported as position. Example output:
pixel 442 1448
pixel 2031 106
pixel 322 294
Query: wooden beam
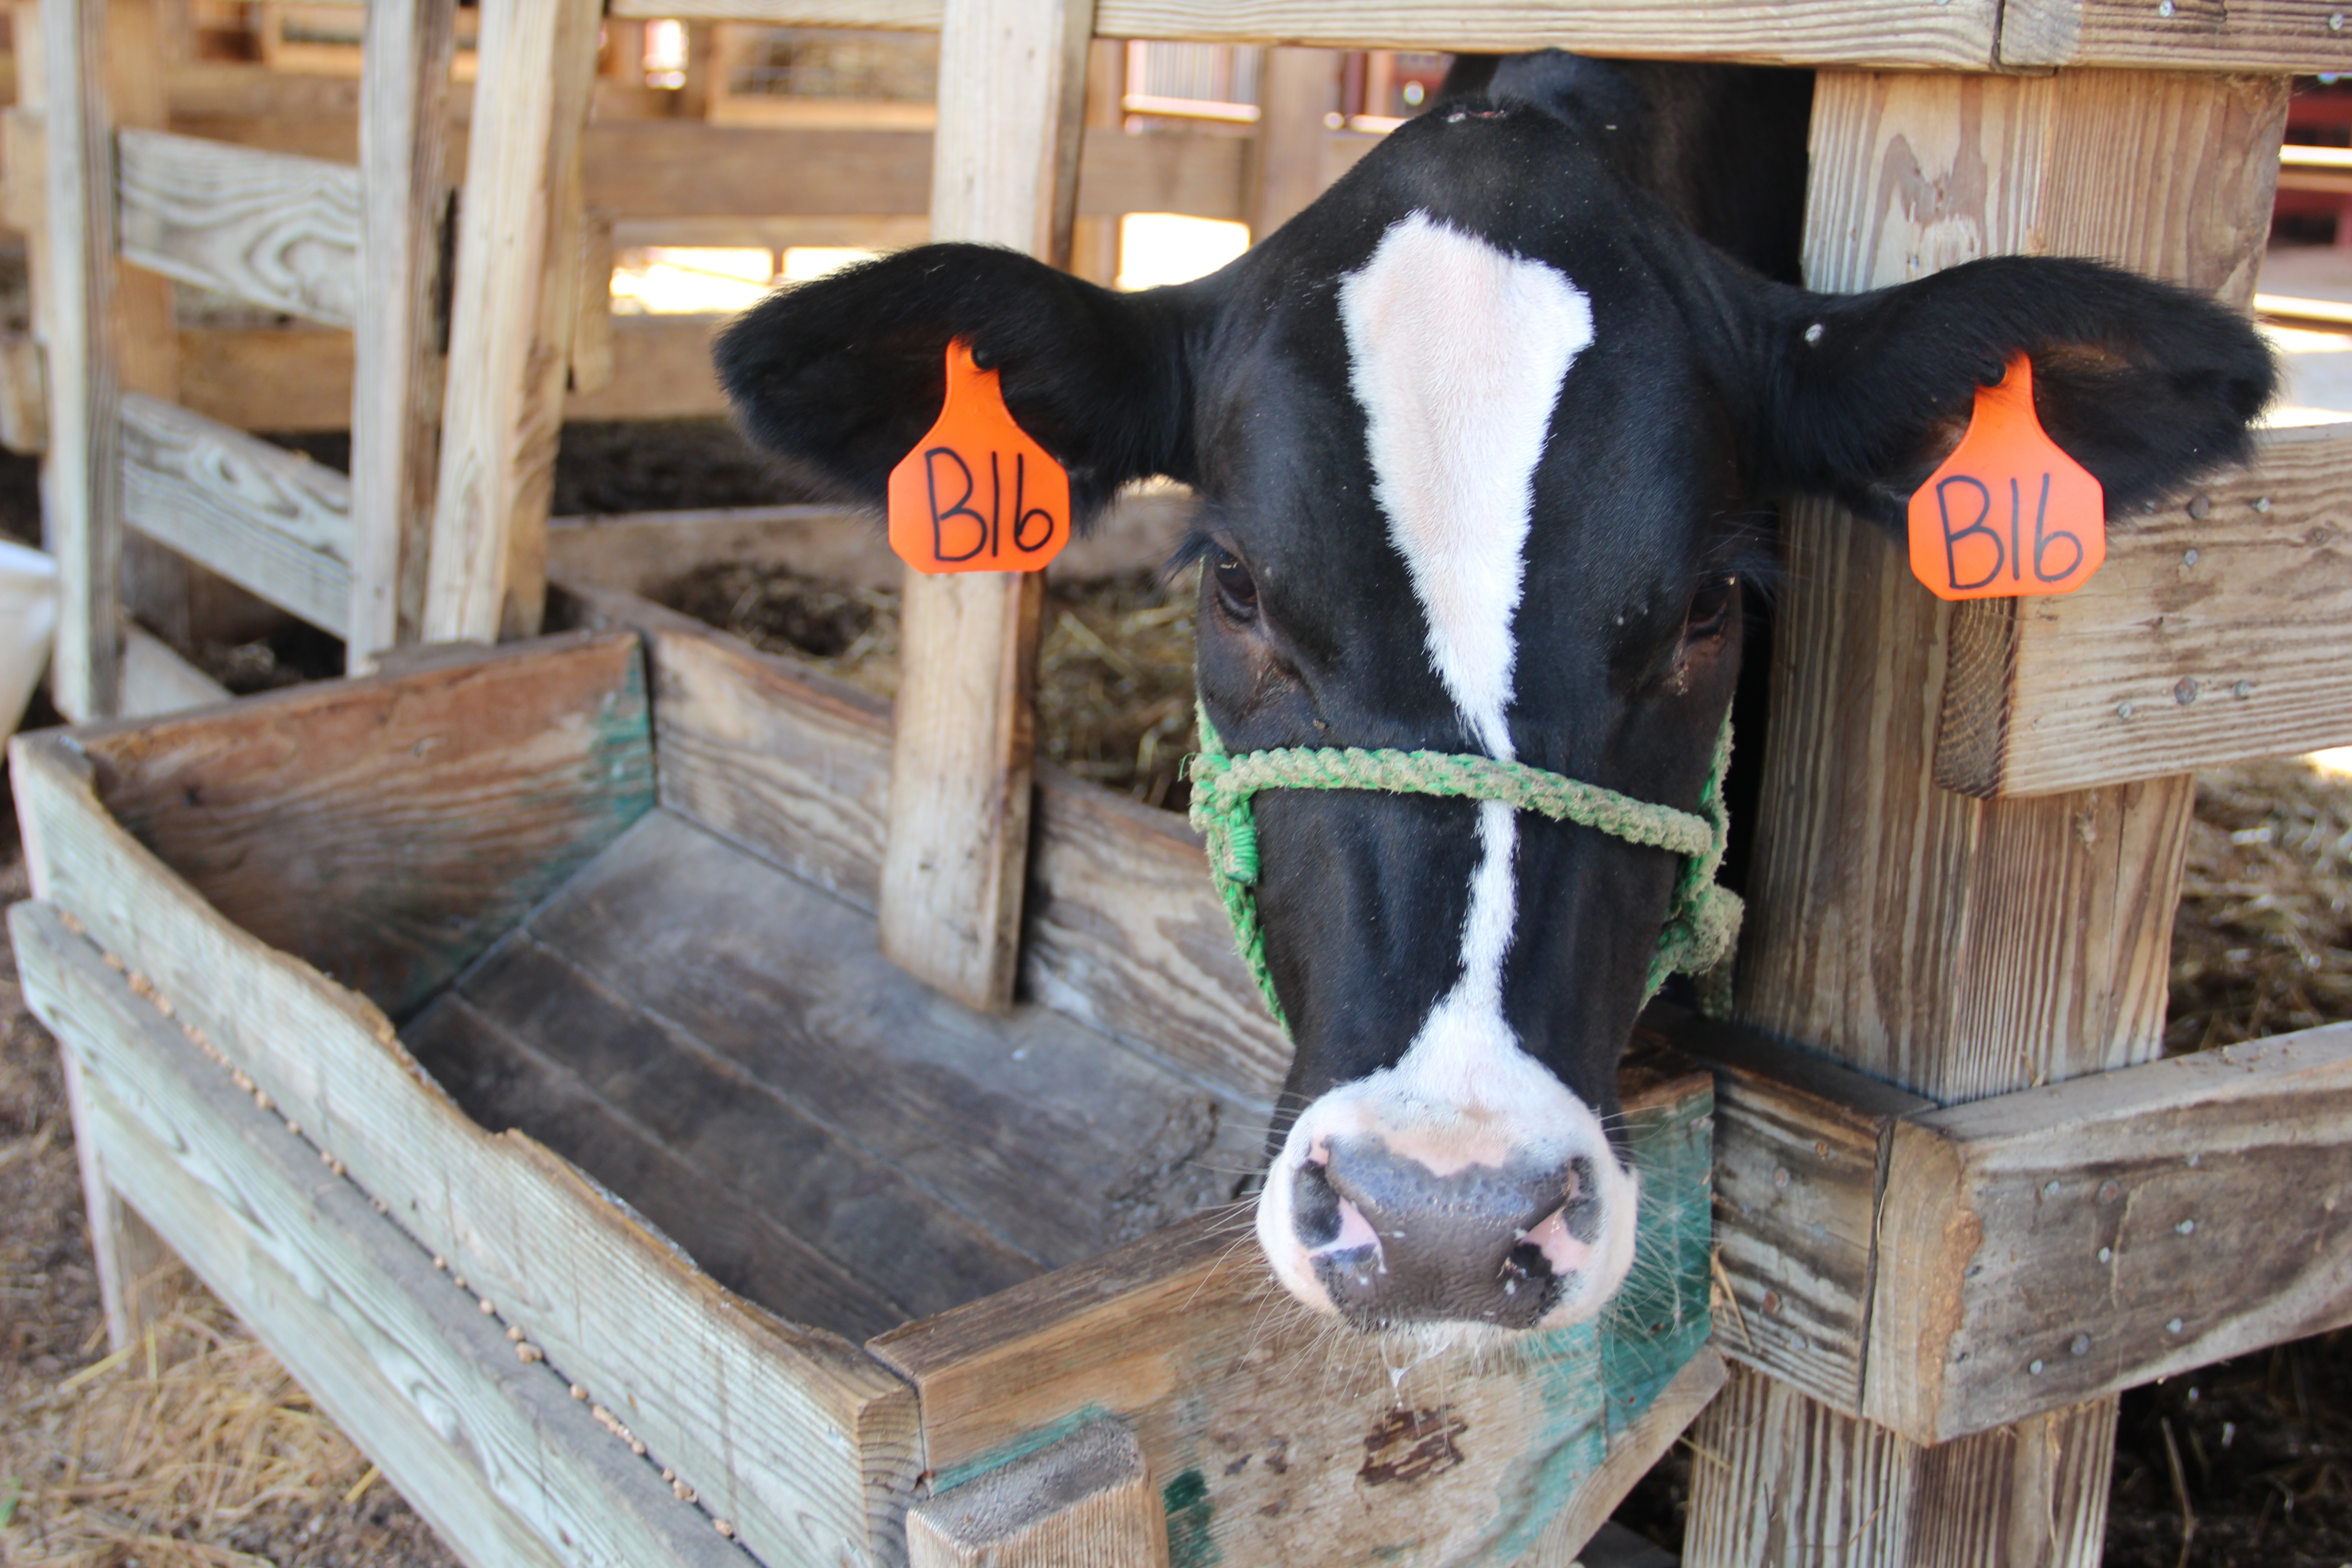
pixel 2052 1246
pixel 1956 947
pixel 271 229
pixel 492 1449
pixel 1085 1499
pixel 81 485
pixel 1011 97
pixel 272 521
pixel 1809 32
pixel 396 388
pixel 132 1262
pixel 1287 169
pixel 510 322
pixel 2213 634
pixel 704 1381
pixel 2299 37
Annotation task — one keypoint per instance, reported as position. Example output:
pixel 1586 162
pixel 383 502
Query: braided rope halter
pixel 1702 922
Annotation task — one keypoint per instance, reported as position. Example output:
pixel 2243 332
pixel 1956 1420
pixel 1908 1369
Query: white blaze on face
pixel 1456 353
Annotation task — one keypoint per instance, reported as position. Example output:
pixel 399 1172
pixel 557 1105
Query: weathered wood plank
pixel 510 323
pixel 1085 1501
pixel 388 831
pixel 1004 171
pixel 395 401
pixel 793 1436
pixel 1800 1152
pixel 2050 1245
pixel 1273 1442
pixel 1123 930
pixel 1632 1454
pixel 2282 37
pixel 1056 1142
pixel 491 1449
pixel 266 519
pixel 131 1261
pixel 1810 32
pixel 1958 947
pixel 271 229
pixel 81 479
pixel 2213 634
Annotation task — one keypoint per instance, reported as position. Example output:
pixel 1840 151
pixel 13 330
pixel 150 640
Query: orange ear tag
pixel 977 494
pixel 2009 513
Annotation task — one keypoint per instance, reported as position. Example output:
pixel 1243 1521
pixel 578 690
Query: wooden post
pixel 132 1262
pixel 1094 241
pixel 1297 89
pixel 1004 171
pixel 511 327
pixel 396 358
pixel 1086 1502
pixel 1958 947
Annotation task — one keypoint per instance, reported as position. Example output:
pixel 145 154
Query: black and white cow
pixel 1489 441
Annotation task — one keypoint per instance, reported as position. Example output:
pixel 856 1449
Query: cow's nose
pixel 1396 1242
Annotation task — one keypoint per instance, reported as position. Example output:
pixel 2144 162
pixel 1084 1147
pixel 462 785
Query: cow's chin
pixel 1398 1210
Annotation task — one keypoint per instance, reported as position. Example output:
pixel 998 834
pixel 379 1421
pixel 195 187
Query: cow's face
pixel 1487 447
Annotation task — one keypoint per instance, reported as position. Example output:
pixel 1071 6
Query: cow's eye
pixel 1711 607
pixel 1235 587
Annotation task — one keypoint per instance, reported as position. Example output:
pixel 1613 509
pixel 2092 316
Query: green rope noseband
pixel 1702 923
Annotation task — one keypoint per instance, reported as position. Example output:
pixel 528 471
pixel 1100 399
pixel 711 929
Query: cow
pixel 1489 442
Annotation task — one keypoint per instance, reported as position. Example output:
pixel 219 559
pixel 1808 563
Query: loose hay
pixel 1113 658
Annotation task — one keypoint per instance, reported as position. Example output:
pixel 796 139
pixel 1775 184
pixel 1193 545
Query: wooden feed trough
pixel 1957 1210
pixel 1018 1218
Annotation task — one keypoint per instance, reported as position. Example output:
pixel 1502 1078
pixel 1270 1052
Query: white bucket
pixel 28 617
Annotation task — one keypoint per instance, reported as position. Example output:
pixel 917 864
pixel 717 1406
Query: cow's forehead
pixel 1456 353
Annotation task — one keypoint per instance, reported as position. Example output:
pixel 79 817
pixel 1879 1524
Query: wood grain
pixel 397 394
pixel 721 1391
pixel 510 323
pixel 1085 1501
pixel 1958 947
pixel 2213 634
pixel 2279 38
pixel 493 1451
pixel 388 831
pixel 1123 930
pixel 269 519
pixel 1632 1454
pixel 1811 32
pixel 81 478
pixel 2114 1230
pixel 271 229
pixel 133 1263
pixel 1272 1442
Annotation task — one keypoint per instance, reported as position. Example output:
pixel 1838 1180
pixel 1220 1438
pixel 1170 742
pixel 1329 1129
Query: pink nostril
pixel 1565 1253
pixel 1354 1232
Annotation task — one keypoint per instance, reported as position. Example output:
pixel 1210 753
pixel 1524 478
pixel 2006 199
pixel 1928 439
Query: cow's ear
pixel 842 375
pixel 2144 384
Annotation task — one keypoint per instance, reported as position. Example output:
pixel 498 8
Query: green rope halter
pixel 1702 923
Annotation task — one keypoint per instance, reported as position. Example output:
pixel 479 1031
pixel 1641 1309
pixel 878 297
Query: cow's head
pixel 1487 446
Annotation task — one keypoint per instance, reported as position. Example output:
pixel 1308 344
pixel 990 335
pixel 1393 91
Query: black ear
pixel 843 375
pixel 2145 384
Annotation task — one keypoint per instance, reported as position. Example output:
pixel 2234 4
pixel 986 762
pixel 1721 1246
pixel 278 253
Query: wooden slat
pixel 2050 1245
pixel 1958 947
pixel 721 1391
pixel 1004 171
pixel 492 1451
pixel 2215 633
pixel 271 229
pixel 454 800
pixel 510 323
pixel 134 1267
pixel 1273 1442
pixel 1631 1455
pixel 2300 37
pixel 395 402
pixel 81 480
pixel 1123 930
pixel 1808 32
pixel 266 519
